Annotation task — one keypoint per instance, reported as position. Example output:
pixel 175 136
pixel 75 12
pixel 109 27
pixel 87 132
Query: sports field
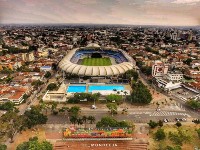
pixel 96 62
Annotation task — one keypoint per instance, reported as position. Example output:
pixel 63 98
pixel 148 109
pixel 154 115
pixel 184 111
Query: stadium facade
pixel 122 62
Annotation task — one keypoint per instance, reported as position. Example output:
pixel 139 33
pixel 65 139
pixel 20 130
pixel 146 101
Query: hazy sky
pixel 144 12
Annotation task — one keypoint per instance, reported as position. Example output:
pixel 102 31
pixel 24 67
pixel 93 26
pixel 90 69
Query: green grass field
pixel 96 62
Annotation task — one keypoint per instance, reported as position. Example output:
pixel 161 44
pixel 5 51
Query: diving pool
pixel 76 88
pixel 105 87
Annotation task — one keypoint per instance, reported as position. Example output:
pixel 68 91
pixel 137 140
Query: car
pixel 158 109
pixel 165 120
pixel 184 119
pixel 177 119
pixel 93 107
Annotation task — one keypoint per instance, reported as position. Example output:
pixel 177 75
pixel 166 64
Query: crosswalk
pixel 160 113
pixel 166 113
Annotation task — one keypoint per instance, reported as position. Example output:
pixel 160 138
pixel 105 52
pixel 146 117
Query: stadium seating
pixel 117 55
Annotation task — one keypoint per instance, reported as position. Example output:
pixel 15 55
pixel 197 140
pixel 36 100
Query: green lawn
pixel 96 62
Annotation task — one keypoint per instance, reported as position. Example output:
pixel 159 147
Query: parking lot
pixel 183 94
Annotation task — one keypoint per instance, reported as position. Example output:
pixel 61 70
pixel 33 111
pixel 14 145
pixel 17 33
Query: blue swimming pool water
pixel 105 87
pixel 76 88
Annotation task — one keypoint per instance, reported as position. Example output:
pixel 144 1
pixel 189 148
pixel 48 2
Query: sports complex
pixel 96 61
pixel 99 70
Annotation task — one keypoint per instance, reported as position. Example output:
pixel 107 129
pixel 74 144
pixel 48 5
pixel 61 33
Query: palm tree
pixel 73 120
pixel 75 110
pixel 125 92
pixel 91 119
pixel 53 106
pixel 63 109
pixel 84 118
pixel 44 106
pixel 79 121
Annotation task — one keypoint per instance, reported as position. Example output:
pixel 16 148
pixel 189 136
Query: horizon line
pixel 98 24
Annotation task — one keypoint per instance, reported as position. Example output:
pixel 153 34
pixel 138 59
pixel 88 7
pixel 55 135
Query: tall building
pixel 159 69
pixel 173 36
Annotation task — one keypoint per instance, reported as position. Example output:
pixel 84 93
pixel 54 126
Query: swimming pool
pixel 105 87
pixel 76 88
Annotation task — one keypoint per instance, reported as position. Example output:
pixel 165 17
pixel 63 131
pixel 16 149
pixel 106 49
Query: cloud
pixel 161 12
pixel 186 1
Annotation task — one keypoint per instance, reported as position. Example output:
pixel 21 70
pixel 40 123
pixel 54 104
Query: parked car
pixel 177 119
pixel 165 120
pixel 93 107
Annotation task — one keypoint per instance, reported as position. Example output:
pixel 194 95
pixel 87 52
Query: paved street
pixel 137 116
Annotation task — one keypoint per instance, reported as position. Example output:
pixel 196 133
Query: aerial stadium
pixel 103 68
pixel 96 61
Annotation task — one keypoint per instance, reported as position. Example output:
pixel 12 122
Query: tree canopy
pixel 47 74
pixel 52 86
pixel 34 117
pixel 34 144
pixel 160 134
pixel 111 122
pixel 79 97
pixel 193 104
pixel 140 94
pixel 132 74
pixel 112 107
pixel 8 106
pixel 114 98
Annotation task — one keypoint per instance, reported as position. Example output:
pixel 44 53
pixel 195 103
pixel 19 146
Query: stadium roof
pixel 81 70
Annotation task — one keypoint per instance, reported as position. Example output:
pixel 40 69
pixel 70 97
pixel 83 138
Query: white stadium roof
pixel 69 67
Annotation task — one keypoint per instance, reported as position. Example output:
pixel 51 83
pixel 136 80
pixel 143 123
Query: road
pixel 136 115
pixel 179 102
pixel 33 99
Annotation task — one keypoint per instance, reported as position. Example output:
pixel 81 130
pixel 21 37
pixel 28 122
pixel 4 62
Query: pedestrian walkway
pixel 160 113
pixel 165 113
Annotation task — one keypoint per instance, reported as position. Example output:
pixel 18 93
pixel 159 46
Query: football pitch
pixel 96 62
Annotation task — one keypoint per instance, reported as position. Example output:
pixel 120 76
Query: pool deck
pixel 127 88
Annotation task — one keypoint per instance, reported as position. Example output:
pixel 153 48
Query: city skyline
pixel 132 12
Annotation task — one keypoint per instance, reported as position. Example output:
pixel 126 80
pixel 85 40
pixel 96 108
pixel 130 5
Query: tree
pixel 187 61
pixel 34 117
pixel 84 118
pixel 3 147
pixel 160 123
pixel 91 119
pixel 198 132
pixel 107 122
pixel 25 97
pixel 34 144
pixel 37 83
pixel 193 104
pixel 173 148
pixel 146 70
pixel 111 122
pixel 63 109
pixel 47 74
pixel 179 137
pixel 112 107
pixel 79 121
pixel 52 86
pixel 114 98
pixel 152 124
pixel 178 124
pixel 132 74
pixel 160 134
pixel 74 111
pixel 140 94
pixel 8 106
pixel 53 106
pixel 73 119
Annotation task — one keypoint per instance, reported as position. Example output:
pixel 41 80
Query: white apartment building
pixel 174 76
